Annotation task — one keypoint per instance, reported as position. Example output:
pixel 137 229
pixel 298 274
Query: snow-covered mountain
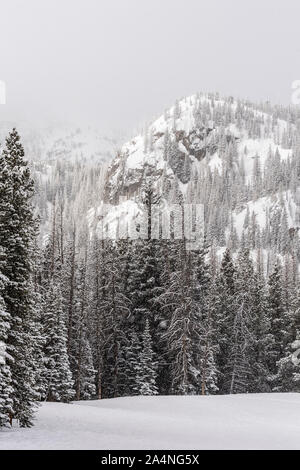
pixel 238 159
pixel 192 127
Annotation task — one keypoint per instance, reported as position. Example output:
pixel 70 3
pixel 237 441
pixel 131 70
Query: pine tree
pixel 87 376
pixel 224 314
pixel 79 347
pixel 17 234
pixel 278 317
pixel 240 365
pixel 144 276
pixel 116 309
pixel 147 368
pixel 57 372
pixel 262 335
pixel 208 349
pixel 98 274
pixel 288 375
pixel 132 366
pixel 208 346
pixel 68 283
pixel 183 332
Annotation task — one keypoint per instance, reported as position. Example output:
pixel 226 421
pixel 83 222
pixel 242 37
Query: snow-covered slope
pixel 192 124
pixel 258 421
pixel 224 153
pixel 145 155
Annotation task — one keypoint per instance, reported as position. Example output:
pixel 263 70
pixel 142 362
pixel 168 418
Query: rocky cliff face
pixel 172 147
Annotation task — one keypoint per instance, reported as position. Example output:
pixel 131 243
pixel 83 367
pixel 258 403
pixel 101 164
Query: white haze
pixel 119 63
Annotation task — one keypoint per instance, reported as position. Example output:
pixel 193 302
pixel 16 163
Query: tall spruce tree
pixel 132 364
pixel 224 313
pixel 116 308
pixel 262 335
pixel 147 367
pixel 279 319
pixel 98 273
pixel 17 233
pixel 241 360
pixel 183 331
pixel 80 349
pixel 57 373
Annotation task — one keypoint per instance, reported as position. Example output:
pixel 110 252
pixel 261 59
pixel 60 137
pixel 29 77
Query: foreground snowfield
pixel 258 421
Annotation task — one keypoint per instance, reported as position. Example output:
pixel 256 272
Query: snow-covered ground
pixel 258 421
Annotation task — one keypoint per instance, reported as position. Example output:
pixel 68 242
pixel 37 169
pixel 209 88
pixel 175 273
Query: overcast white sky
pixel 122 62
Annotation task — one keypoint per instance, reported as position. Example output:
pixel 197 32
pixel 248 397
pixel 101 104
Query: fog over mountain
pixel 116 64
